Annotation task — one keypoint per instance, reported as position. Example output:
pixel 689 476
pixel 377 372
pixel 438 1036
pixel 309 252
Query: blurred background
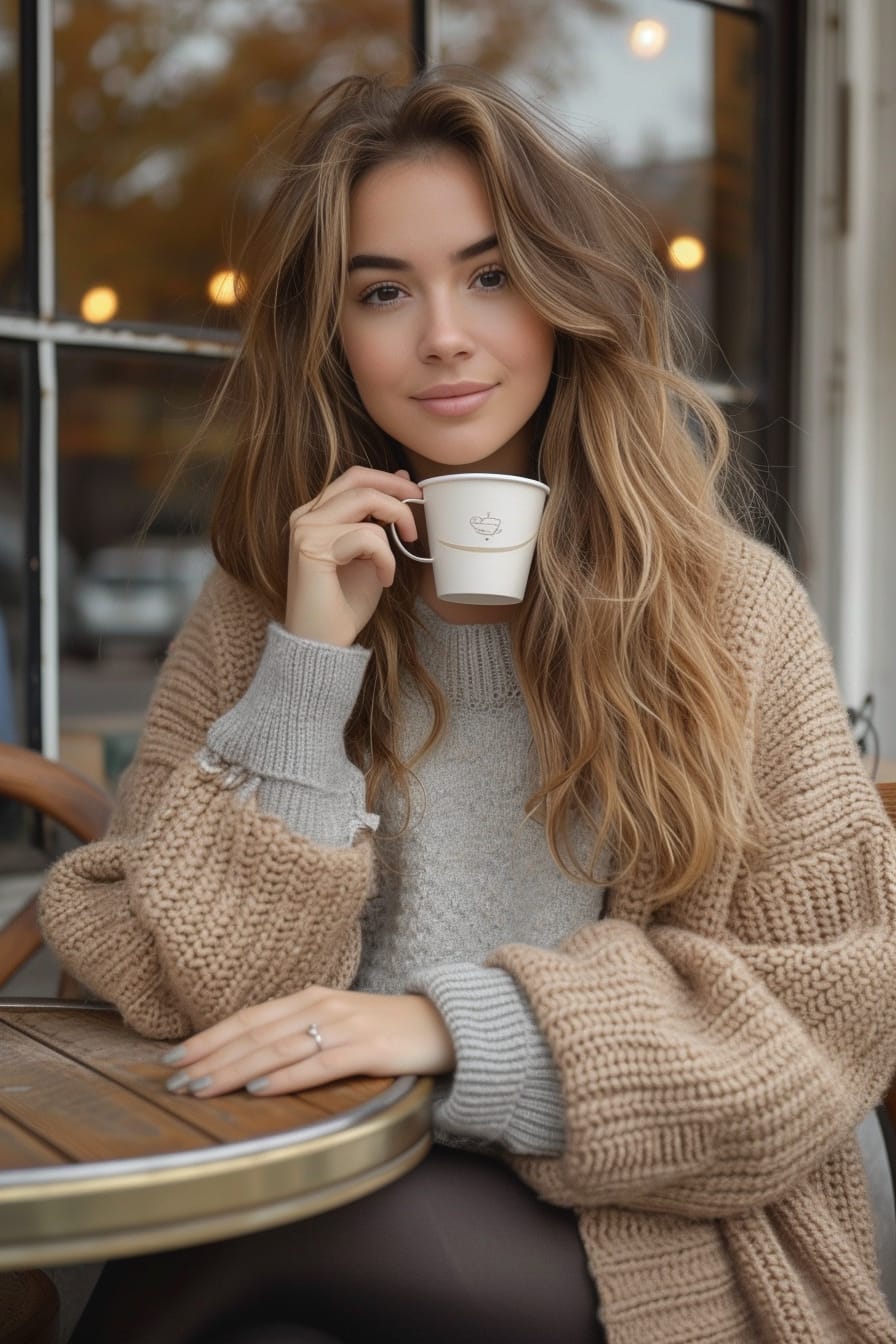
pixel 753 135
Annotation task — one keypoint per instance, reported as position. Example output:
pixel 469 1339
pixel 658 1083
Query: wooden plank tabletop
pixel 97 1158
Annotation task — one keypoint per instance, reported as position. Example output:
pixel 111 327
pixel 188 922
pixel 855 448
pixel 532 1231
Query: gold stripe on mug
pixel 486 550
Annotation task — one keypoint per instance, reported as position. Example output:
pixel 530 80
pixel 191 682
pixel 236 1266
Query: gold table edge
pixel 229 1191
pixel 190 1232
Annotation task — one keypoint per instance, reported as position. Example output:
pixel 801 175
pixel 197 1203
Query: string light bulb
pixel 99 304
pixel 687 253
pixel 647 38
pixel 226 287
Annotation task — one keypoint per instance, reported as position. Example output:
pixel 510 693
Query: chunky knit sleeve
pixel 715 1053
pixel 198 903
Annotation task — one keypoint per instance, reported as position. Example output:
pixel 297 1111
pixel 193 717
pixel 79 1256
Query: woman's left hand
pixel 268 1047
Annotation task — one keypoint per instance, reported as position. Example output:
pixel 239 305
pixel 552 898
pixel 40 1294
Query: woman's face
pixel 447 358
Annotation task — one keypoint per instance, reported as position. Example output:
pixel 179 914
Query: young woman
pixel 606 863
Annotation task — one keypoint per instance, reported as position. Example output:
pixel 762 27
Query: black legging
pixel 457 1249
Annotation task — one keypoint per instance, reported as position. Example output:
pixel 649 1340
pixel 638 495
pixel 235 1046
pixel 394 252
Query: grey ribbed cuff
pixel 286 736
pixel 290 722
pixel 505 1087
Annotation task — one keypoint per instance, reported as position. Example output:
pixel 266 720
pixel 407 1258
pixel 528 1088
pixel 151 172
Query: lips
pixel 455 398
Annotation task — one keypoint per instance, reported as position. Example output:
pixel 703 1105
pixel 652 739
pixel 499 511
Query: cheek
pixel 367 361
pixel 531 342
pixel 543 337
pixel 540 362
pixel 546 343
pixel 362 363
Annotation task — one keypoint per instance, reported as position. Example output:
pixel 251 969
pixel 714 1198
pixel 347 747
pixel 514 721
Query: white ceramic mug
pixel 482 530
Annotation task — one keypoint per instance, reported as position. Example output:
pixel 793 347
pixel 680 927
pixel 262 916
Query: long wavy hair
pixel 635 703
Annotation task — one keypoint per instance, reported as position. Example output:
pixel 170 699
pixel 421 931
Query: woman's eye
pixel 380 296
pixel 492 278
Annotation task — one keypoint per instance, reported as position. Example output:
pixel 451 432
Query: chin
pixel 501 458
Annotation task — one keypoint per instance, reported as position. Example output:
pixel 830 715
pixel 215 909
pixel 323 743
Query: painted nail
pixel 200 1084
pixel 258 1084
pixel 175 1056
pixel 177 1082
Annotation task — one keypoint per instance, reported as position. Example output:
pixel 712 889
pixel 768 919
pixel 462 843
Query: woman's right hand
pixel 340 559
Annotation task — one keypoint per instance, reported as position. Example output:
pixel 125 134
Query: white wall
pixel 847 370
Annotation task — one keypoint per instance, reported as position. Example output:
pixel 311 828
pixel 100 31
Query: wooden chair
pixel 29 1302
pixel 888 798
pixel 28 1298
pixel 64 796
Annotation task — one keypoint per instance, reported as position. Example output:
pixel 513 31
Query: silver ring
pixel 314 1032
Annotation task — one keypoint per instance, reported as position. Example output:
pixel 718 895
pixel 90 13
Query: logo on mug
pixel 486 525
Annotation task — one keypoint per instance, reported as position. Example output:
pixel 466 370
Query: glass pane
pixel 755 487
pixel 159 110
pixel 11 277
pixel 123 421
pixel 12 548
pixel 670 104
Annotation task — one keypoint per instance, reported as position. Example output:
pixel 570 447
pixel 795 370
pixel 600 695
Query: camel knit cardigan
pixel 715 1054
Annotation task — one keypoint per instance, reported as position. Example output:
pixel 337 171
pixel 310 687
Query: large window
pixel 670 103
pixel 160 110
pixel 117 250
pixel 117 275
pixel 685 104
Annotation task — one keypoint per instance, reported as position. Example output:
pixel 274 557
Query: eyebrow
pixel 367 261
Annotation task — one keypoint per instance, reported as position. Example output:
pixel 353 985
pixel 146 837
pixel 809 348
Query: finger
pixel 355 506
pixel 398 484
pixel 367 542
pixel 330 548
pixel 269 1046
pixel 215 1075
pixel 327 1066
pixel 278 1034
pixel 246 1019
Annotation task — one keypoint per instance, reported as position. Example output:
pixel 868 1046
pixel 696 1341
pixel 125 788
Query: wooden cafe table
pixel 98 1160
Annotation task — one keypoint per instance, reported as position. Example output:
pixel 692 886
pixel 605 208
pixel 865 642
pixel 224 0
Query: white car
pixel 136 594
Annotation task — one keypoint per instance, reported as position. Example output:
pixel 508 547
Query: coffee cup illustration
pixel 486 525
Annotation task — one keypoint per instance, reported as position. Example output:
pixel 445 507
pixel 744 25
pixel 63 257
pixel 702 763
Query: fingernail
pixel 258 1084
pixel 175 1056
pixel 200 1084
pixel 177 1082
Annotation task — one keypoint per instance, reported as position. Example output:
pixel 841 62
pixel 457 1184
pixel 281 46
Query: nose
pixel 444 334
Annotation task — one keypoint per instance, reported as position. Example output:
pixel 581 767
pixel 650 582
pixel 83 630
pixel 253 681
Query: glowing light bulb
pixel 648 37
pixel 99 304
pixel 687 253
pixel 226 287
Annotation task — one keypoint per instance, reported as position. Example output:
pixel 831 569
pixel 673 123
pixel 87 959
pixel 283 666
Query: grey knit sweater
pixel 467 874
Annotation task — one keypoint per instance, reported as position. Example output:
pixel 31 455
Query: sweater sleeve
pixel 505 1087
pixel 715 1055
pixel 287 736
pixel 197 903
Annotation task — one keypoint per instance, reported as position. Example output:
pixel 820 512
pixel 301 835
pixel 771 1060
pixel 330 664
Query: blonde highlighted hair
pixel 634 701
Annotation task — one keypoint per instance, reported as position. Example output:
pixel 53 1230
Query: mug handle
pixel 421 559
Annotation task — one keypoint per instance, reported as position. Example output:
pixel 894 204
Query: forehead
pixel 439 198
